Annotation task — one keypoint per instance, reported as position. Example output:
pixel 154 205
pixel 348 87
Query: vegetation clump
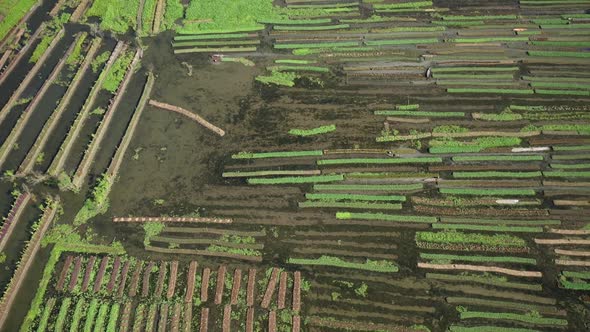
pixel 117 16
pixel 97 203
pixel 284 78
pixel 117 72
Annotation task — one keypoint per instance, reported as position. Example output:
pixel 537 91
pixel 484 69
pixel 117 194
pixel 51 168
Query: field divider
pixel 25 263
pixel 173 219
pixel 29 161
pixel 113 169
pixel 97 139
pixel 22 121
pixel 59 160
pixel 13 216
pixel 30 75
pixel 190 115
pixel 468 267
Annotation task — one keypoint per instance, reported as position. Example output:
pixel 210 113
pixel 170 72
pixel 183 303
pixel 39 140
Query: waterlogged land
pixel 296 165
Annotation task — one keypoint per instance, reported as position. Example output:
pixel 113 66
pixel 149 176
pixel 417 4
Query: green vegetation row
pixel 314 131
pixel 116 16
pixel 385 217
pixel 369 187
pixel 350 205
pixel 369 265
pixel 297 179
pixel 484 279
pixel 478 258
pixel 499 158
pixel 282 154
pixel 487 228
pixel 455 237
pixel 355 197
pixel 515 317
pixel 418 160
pixel 496 174
pixel 422 114
pixel 488 191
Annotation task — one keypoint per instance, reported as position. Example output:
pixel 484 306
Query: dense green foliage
pixel 97 203
pixel 115 15
pixel 13 11
pixel 369 265
pixel 286 78
pixel 76 55
pixel 117 72
pixel 173 12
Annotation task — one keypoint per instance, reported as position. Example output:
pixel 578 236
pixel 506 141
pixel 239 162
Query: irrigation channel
pixel 295 165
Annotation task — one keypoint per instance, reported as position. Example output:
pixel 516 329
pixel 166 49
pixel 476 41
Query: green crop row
pixel 501 221
pixel 496 174
pixel 297 22
pixel 487 228
pixel 455 237
pixel 499 158
pixel 489 328
pixel 417 160
pixel 475 17
pixel 385 217
pixel 369 265
pixel 311 28
pixel 571 148
pixel 117 72
pixel 491 90
pixel 369 187
pixel 576 274
pixel 314 131
pixel 298 179
pixel 490 39
pixel 570 166
pixel 478 258
pixel 566 174
pixel 281 154
pixel 63 312
pixel 211 36
pixel 316 69
pixel 356 197
pixel 413 4
pixel 472 69
pixel 514 317
pixel 559 54
pixel 350 205
pixel 401 42
pixel 486 280
pixel 474 76
pixel 487 191
pixel 239 42
pixel 316 45
pixel 422 113
pixel 77 315
pixel 13 12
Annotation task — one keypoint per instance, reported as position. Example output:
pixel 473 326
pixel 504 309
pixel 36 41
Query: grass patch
pixel 278 78
pixel 355 197
pixel 499 158
pixel 496 174
pixel 421 113
pixel 350 205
